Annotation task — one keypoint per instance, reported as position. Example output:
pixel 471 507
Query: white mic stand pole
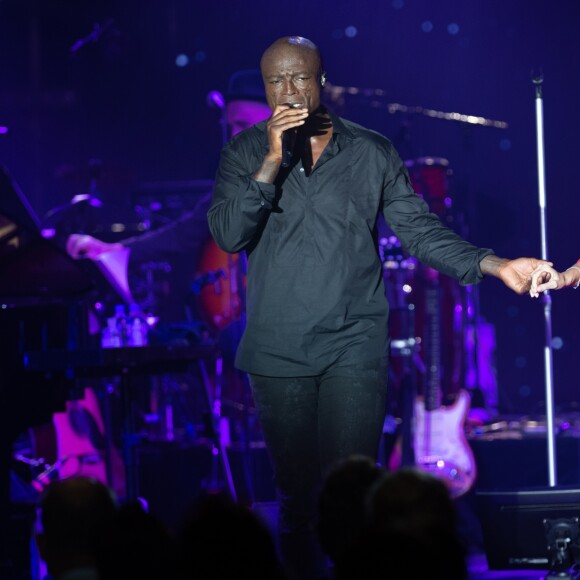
pixel 546 298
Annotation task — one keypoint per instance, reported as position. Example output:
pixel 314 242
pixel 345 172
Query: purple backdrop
pixel 84 80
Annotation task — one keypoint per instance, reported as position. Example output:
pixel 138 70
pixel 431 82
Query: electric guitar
pixel 440 445
pixel 76 445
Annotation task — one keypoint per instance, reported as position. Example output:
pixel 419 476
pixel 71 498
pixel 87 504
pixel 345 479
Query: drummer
pixel 244 105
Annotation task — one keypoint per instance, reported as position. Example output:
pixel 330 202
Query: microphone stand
pixel 546 298
pixel 236 272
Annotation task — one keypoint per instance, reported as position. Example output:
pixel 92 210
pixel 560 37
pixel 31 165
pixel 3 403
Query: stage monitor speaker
pixel 516 526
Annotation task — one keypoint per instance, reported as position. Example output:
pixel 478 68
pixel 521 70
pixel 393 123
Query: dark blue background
pixel 123 100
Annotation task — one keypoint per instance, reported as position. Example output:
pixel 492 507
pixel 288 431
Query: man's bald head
pixel 292 43
pixel 292 72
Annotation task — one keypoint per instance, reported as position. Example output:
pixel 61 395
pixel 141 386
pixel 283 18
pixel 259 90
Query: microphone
pixel 288 140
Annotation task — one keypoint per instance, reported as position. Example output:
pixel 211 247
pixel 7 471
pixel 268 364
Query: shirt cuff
pixel 267 193
pixel 482 253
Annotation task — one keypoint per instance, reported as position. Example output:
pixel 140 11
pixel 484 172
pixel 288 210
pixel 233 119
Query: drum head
pixel 220 282
pixel 430 179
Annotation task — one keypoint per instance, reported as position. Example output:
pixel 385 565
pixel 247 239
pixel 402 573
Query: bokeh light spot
pixel 181 60
pixel 505 144
pixel 350 31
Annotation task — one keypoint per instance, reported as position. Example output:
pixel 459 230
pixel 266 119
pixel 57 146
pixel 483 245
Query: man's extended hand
pixel 515 274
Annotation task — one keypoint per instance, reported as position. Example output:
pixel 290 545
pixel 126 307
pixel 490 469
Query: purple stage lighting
pixel 216 99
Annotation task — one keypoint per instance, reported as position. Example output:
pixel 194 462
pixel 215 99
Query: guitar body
pixel 78 434
pixel 441 447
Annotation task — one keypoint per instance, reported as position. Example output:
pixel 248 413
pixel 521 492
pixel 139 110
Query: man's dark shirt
pixel 315 293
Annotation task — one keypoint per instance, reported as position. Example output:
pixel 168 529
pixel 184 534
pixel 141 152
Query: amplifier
pixel 519 463
pixel 173 475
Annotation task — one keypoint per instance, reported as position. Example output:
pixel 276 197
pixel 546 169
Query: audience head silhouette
pixel 222 539
pixel 411 531
pixel 136 545
pixel 73 513
pixel 342 504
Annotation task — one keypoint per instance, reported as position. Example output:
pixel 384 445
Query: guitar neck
pixel 432 392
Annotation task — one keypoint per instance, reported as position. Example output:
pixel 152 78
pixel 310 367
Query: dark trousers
pixel 309 424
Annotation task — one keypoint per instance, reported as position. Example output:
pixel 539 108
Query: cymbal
pixel 79 203
pixel 78 215
pixel 376 99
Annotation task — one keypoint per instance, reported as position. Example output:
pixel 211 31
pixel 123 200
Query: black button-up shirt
pixel 315 293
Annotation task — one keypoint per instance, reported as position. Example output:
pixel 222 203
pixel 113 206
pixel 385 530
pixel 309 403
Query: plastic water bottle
pixel 110 337
pixel 137 326
pixel 122 324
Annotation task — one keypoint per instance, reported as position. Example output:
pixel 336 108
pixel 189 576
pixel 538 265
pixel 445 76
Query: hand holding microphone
pixel 282 128
pixel 288 141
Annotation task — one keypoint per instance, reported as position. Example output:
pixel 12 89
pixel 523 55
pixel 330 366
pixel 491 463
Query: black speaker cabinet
pixel 522 463
pixel 525 529
pixel 173 475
